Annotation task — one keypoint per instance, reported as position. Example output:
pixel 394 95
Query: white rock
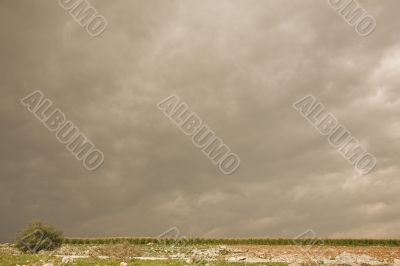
pixel 48 264
pixel 236 259
pixel 231 259
pixel 123 264
pixel 67 260
pixel 353 259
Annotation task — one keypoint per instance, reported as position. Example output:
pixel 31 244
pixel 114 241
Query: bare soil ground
pixel 380 253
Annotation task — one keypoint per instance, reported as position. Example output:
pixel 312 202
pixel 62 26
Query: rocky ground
pixel 216 254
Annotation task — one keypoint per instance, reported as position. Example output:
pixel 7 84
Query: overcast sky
pixel 239 65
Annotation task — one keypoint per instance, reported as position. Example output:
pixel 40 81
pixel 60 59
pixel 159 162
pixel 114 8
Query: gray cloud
pixel 239 65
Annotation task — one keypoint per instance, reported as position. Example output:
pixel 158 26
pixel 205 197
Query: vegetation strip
pixel 229 241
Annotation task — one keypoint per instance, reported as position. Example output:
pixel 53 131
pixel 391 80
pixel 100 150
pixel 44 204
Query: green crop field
pixel 238 241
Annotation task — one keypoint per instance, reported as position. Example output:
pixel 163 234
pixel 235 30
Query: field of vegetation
pixel 40 244
pixel 39 260
pixel 195 254
pixel 236 241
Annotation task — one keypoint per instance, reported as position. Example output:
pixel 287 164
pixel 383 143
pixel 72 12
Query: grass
pixel 161 263
pixel 239 241
pixel 11 260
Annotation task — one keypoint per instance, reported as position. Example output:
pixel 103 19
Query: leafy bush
pixel 39 236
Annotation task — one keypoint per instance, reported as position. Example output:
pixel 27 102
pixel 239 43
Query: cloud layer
pixel 239 65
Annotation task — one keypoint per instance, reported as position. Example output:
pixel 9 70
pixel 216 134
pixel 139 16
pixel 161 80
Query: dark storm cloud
pixel 239 65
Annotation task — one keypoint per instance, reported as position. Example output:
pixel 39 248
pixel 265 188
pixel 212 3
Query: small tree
pixel 39 236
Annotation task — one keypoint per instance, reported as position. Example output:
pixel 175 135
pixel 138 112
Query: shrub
pixel 39 236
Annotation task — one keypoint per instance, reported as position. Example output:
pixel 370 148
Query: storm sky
pixel 239 65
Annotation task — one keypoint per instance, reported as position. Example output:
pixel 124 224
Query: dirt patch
pixel 327 251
